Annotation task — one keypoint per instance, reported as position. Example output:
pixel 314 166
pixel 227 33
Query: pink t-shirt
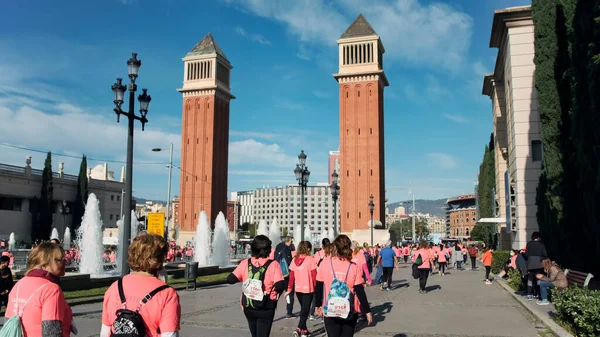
pixel 405 251
pixel 426 256
pixel 303 279
pixel 359 259
pixel 442 255
pixel 272 276
pixel 161 312
pixel 325 275
pixel 272 255
pixel 46 303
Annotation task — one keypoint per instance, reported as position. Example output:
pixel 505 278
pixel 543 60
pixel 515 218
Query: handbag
pixel 419 260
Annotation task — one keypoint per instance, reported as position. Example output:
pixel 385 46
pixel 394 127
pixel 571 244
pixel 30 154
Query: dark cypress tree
pixel 82 194
pixel 486 183
pixel 46 209
pixel 552 61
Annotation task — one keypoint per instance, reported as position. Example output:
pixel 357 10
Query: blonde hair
pixel 43 254
pixel 147 253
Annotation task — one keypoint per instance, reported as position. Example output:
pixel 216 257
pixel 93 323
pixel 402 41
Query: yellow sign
pixel 156 223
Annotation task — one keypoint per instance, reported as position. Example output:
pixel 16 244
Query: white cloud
pixel 434 34
pixel 435 89
pixel 252 134
pixel 457 118
pixel 321 94
pixel 252 152
pixel 443 160
pixel 253 37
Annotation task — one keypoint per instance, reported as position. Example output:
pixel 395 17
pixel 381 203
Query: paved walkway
pixel 457 304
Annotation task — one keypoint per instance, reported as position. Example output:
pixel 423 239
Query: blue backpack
pixel 340 299
pixel 285 268
pixel 13 326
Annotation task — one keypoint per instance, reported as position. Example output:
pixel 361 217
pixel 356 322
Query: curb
pixel 100 299
pixel 546 319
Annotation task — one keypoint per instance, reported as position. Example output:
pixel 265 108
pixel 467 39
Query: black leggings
pixel 259 321
pixel 532 281
pixel 473 262
pixel 487 272
pixel 387 275
pixel 423 275
pixel 442 267
pixel 337 327
pixel 305 301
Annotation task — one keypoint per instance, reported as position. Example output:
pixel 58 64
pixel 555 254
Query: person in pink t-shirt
pixel 162 312
pixel 427 257
pixel 259 294
pixel 340 267
pixel 37 297
pixel 303 277
pixel 442 259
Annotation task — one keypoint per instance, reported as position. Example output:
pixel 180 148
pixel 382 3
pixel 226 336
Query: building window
pixel 119 198
pixel 111 217
pixel 536 150
pixel 118 217
pixel 10 204
pixel 112 198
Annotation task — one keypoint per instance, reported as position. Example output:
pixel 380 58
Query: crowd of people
pixel 328 284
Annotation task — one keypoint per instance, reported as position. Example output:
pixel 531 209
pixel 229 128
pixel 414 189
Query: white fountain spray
pixel 202 241
pixel 275 232
pixel 220 243
pixel 54 234
pixel 308 234
pixel 89 239
pixel 67 239
pixel 324 235
pixel 134 224
pixel 11 241
pixel 297 234
pixel 331 236
pixel 262 228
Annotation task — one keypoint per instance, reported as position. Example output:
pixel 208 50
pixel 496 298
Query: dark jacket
pixel 521 264
pixel 535 253
pixel 283 250
pixel 6 283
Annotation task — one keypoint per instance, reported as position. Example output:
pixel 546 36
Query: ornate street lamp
pixel 302 173
pixel 335 192
pixel 371 209
pixel 119 89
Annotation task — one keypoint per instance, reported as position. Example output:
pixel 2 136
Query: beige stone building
pixel 516 119
pixel 19 185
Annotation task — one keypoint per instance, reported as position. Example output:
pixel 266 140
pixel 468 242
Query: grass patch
pixel 76 294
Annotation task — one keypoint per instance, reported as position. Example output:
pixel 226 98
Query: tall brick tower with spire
pixel 362 168
pixel 204 135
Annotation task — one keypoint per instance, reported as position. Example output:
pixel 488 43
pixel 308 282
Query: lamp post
pixel 168 213
pixel 119 89
pixel 371 209
pixel 64 210
pixel 302 173
pixel 335 192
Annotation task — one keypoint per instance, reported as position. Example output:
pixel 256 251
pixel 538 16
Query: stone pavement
pixel 457 304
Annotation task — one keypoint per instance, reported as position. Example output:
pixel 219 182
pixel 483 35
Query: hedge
pixel 580 309
pixel 499 257
pixel 514 280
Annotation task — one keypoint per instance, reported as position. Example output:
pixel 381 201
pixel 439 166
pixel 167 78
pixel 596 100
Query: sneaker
pixel 529 297
pixel 542 302
pixel 420 291
pixel 305 333
pixel 290 316
pixel 297 333
pixel 311 317
pixel 488 282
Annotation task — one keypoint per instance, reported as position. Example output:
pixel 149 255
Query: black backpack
pixel 258 273
pixel 130 323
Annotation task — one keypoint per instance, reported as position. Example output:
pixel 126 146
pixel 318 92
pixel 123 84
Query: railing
pixel 34 172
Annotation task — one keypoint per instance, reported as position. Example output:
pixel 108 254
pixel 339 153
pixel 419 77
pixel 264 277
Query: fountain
pixel 220 242
pixel 202 241
pixel 275 232
pixel 134 224
pixel 11 241
pixel 308 234
pixel 324 235
pixel 67 239
pixel 297 234
pixel 262 228
pixel 89 239
pixel 54 234
pixel 331 236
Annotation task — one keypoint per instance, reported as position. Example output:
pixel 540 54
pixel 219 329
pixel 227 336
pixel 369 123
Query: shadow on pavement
pixel 432 288
pixel 379 312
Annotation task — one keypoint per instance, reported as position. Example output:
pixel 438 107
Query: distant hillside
pixel 433 207
pixel 143 201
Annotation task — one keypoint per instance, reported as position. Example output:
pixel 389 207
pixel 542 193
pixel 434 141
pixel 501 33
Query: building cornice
pixel 363 77
pixel 218 92
pixel 488 80
pixel 509 17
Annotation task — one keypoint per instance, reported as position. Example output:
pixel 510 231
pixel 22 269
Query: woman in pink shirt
pixel 358 257
pixel 161 312
pixel 341 268
pixel 442 259
pixel 38 299
pixel 424 268
pixel 262 283
pixel 303 276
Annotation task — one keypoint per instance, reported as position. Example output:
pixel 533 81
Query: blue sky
pixel 58 60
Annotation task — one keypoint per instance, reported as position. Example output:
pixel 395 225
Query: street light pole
pixel 371 209
pixel 414 232
pixel 119 89
pixel 302 174
pixel 335 192
pixel 168 212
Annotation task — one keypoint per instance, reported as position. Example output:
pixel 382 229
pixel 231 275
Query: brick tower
pixel 361 79
pixel 204 135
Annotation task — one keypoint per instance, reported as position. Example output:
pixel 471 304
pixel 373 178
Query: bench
pixel 578 278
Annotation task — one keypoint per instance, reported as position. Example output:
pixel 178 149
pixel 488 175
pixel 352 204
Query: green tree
pixel 252 229
pixel 403 228
pixel 82 194
pixel 41 230
pixel 487 181
pixel 485 232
